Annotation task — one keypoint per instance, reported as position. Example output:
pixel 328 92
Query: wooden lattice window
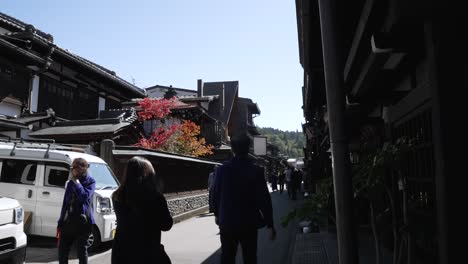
pixel 417 201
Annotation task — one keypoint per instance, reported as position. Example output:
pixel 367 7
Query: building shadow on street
pixel 214 258
pixel 44 249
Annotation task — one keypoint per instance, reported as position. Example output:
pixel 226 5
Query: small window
pixel 29 174
pixel 18 171
pixel 56 174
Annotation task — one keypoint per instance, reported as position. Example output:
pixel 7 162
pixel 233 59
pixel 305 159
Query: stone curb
pixel 184 216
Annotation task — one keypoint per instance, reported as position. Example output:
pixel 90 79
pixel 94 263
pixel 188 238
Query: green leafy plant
pixel 313 209
pixel 373 178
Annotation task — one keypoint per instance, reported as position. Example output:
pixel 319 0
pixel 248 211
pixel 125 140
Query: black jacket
pixel 240 196
pixel 138 235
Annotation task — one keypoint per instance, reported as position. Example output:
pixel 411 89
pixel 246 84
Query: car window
pixel 18 171
pixel 56 174
pixel 103 176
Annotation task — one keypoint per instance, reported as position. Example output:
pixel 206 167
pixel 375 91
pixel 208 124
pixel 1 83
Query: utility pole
pixel 333 68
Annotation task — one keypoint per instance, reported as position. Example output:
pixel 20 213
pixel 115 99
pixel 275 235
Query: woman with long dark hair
pixel 142 214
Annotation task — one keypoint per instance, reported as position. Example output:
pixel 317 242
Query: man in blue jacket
pixel 242 204
pixel 77 217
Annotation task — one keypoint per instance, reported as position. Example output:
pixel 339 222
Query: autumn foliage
pixel 185 141
pixel 155 108
pixel 181 138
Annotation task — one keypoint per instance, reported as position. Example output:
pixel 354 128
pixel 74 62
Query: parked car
pixel 35 175
pixel 12 236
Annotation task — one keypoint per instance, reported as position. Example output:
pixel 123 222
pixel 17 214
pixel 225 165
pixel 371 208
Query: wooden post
pixel 447 71
pixel 333 67
pixel 107 145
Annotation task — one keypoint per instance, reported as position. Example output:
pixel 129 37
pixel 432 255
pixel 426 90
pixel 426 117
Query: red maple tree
pixel 155 108
pixel 182 138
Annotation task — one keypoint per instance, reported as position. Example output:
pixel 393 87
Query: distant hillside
pixel 290 143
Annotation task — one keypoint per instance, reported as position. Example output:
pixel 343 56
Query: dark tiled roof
pixel 81 129
pixel 10 124
pixel 18 24
pixel 31 119
pixel 121 120
pixel 128 115
pixel 167 87
pixel 207 98
pixel 136 151
pixel 47 39
pixel 253 106
pixel 34 117
pixel 96 67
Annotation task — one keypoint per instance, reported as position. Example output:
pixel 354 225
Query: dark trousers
pixel 293 185
pixel 68 235
pixel 281 187
pixel 231 239
pixel 210 201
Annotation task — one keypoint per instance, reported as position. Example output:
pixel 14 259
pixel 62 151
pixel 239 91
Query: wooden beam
pixel 361 28
pixel 369 71
pixel 410 103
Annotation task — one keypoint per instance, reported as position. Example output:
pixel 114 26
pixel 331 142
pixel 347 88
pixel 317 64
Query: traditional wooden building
pixel 121 126
pixel 37 75
pixel 376 71
pixel 234 113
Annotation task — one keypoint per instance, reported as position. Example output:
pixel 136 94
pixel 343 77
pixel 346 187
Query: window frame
pixel 20 176
pixel 46 164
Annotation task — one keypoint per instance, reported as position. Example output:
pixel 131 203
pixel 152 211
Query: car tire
pixel 94 239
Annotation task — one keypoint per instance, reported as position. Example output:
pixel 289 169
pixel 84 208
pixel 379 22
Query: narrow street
pixel 196 240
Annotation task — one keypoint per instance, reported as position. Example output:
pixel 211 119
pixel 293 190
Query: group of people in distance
pixel 291 177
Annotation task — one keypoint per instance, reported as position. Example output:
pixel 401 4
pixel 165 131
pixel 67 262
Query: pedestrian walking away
pixel 242 204
pixel 211 177
pixel 142 214
pixel 281 178
pixel 274 182
pixel 295 183
pixel 288 178
pixel 76 217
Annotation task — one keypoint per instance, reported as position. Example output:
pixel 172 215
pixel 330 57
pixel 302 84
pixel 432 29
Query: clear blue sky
pixel 176 42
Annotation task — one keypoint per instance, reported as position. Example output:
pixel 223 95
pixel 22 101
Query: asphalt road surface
pixel 195 240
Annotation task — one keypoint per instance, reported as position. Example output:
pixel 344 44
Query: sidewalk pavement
pixel 322 248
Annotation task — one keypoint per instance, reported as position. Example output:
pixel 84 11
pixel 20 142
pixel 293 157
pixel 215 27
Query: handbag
pixel 76 222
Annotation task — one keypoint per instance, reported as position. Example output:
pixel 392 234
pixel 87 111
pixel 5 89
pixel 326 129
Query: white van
pixel 35 175
pixel 12 237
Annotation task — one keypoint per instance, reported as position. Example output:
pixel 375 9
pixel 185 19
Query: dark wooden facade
pixel 178 174
pixel 403 68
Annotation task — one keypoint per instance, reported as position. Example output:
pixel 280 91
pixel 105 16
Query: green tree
pixel 171 92
pixel 289 143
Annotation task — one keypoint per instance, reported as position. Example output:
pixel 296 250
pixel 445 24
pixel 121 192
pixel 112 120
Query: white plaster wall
pixel 102 104
pixel 34 93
